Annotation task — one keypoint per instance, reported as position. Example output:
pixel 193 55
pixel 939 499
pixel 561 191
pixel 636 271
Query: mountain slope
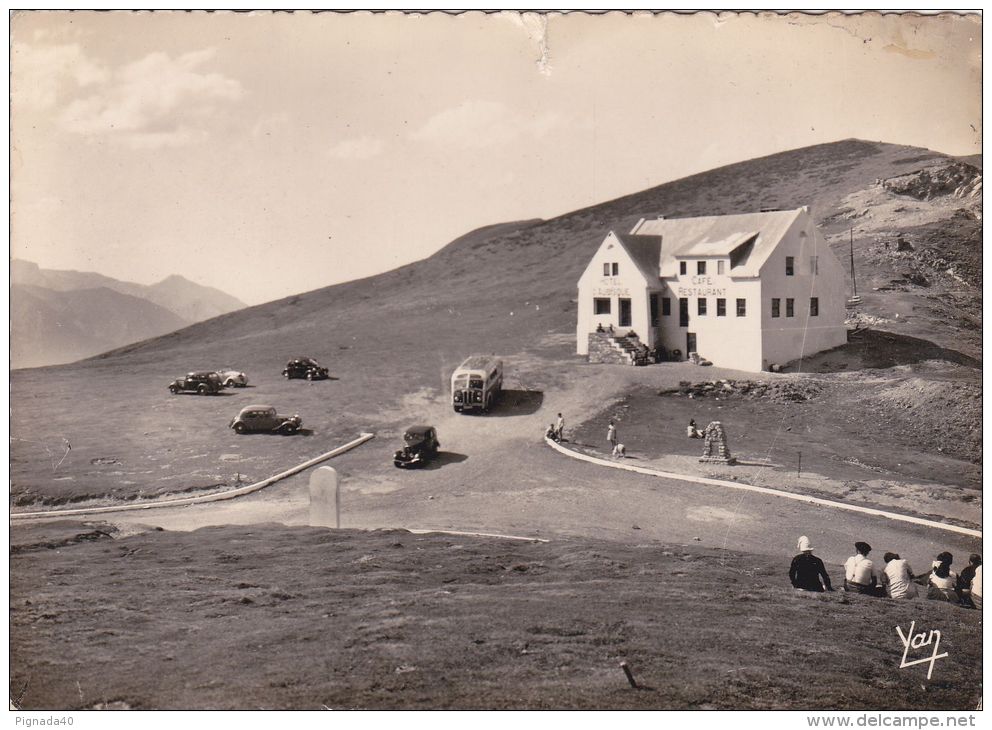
pixel 59 316
pixel 193 302
pixel 50 327
pixel 496 288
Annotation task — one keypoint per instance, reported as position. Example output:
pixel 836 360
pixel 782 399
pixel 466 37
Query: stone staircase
pixel 607 348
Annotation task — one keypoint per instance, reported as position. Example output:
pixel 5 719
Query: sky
pixel 271 154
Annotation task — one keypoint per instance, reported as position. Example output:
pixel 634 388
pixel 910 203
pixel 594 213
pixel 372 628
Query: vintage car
pixel 203 383
pixel 233 378
pixel 305 367
pixel 264 419
pixel 420 446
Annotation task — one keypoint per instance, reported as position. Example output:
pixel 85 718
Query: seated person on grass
pixel 807 572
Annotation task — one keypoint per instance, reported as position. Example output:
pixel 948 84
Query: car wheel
pixel 202 390
pixel 309 376
pixel 239 428
pixel 229 384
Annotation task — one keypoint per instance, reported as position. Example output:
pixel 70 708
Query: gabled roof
pixel 645 251
pixel 723 235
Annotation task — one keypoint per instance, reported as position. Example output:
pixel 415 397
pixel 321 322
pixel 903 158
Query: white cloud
pixel 153 102
pixel 357 148
pixel 40 72
pixel 478 124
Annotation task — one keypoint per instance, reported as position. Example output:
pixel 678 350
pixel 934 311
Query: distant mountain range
pixel 61 316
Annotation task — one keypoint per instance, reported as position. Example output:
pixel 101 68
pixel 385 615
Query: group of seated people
pixel 895 580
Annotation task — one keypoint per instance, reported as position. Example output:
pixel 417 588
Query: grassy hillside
pixel 238 618
pixel 506 289
pixel 531 268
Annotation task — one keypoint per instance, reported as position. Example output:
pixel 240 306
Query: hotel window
pixel 814 306
pixel 790 265
pixel 790 307
pixel 606 269
pixel 654 310
pixel 701 307
pixel 721 307
pixel 601 306
pixel 776 303
pixel 742 307
pixel 682 268
pixel 701 267
pixel 666 307
pixel 616 269
pixel 719 267
pixel 814 265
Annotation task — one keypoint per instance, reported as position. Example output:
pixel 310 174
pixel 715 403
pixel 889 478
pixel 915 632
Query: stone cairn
pixel 715 435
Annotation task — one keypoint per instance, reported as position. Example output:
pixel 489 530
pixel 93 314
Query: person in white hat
pixel 807 572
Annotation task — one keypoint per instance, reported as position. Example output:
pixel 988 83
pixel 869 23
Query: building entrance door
pixel 624 312
pixel 690 342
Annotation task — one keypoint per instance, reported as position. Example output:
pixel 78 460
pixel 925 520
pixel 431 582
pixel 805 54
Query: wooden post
pixel 325 498
pixel 854 281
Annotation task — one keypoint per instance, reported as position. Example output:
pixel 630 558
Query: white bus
pixel 476 383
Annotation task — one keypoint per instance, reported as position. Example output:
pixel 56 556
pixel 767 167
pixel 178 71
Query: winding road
pixel 496 475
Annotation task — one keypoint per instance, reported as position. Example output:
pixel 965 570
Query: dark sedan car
pixel 305 367
pixel 264 419
pixel 203 383
pixel 420 446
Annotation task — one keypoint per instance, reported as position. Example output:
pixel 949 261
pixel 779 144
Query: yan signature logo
pixel 918 641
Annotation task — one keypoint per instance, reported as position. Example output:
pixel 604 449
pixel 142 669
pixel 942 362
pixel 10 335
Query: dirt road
pixel 495 475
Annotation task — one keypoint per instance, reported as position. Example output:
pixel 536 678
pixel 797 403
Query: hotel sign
pixel 611 287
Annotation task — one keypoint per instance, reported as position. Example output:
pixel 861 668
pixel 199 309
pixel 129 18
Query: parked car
pixel 305 367
pixel 420 446
pixel 203 383
pixel 233 378
pixel 264 419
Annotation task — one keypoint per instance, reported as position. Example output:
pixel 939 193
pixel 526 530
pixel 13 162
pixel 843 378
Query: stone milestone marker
pixel 325 500
pixel 715 436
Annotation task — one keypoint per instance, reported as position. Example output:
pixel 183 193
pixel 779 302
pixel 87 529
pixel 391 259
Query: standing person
pixel 807 571
pixel 859 572
pixel 897 577
pixel 560 426
pixel 611 436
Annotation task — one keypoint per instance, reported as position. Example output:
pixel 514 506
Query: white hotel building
pixel 743 291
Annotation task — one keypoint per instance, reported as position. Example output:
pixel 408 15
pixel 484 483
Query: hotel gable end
pixel 743 291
